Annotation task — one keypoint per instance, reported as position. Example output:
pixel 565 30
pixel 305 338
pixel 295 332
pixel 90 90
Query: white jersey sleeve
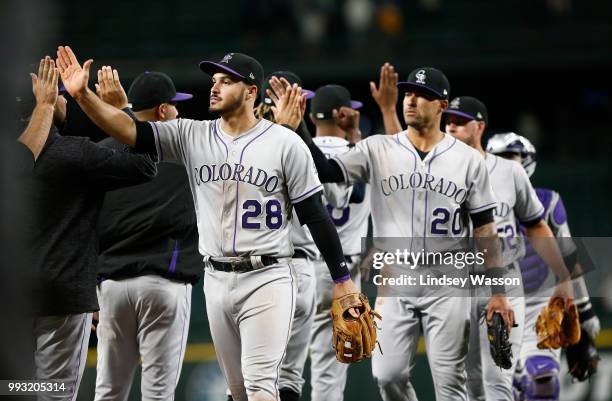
pixel 300 173
pixel 355 164
pixel 528 206
pixel 172 136
pixel 480 195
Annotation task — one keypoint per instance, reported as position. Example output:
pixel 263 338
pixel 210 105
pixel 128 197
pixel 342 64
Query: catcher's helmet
pixel 510 142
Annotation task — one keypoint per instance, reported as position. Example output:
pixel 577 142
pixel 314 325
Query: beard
pixel 225 106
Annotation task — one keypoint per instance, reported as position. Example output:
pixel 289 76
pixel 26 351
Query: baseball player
pixel 65 178
pixel 148 259
pixel 336 118
pixel 466 119
pixel 246 175
pixel 536 364
pixel 407 172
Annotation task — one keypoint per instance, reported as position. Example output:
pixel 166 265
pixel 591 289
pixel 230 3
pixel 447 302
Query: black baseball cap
pixel 468 107
pixel 238 65
pixel 330 97
pixel 151 89
pixel 431 80
pixel 290 77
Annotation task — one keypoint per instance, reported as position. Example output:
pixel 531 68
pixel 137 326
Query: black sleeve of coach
pixel 145 141
pixel 482 218
pixel 358 194
pixel 328 169
pixel 311 212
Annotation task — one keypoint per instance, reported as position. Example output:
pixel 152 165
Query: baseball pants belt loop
pixel 244 265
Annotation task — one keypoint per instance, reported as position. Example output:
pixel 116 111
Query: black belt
pixel 243 265
pixel 300 254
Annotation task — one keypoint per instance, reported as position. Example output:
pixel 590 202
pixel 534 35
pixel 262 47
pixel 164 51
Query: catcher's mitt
pixel 499 343
pixel 354 338
pixel 557 327
pixel 582 358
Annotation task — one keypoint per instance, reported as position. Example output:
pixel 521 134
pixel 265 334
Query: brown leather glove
pixel 557 327
pixel 353 338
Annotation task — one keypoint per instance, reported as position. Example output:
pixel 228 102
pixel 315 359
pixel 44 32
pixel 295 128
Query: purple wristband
pixel 342 279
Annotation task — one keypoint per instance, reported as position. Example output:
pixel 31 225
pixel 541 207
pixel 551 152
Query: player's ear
pixel 160 112
pixel 443 105
pixel 252 92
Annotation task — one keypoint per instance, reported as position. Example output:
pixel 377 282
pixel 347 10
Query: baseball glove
pixel 499 343
pixel 582 358
pixel 353 338
pixel 557 327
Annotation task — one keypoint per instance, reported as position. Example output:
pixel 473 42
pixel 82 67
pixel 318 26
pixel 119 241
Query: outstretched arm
pixel 110 119
pixel 386 96
pixel 44 86
pixel 485 234
pixel 543 241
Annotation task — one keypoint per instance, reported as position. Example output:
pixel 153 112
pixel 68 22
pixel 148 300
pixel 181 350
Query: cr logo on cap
pixel 420 76
pixel 227 58
pixel 455 103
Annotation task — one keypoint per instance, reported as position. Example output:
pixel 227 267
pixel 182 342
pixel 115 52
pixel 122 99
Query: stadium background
pixel 541 66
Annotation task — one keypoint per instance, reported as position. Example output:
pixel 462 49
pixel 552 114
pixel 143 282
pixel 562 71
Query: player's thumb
pixel 372 87
pixel 34 78
pixel 97 89
pixel 87 66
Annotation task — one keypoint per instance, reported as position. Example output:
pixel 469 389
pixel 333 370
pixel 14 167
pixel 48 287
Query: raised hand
pixel 109 88
pixel 386 94
pixel 44 85
pixel 74 77
pixel 289 108
pixel 279 87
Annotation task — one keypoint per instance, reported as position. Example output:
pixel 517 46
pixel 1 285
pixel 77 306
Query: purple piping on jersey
pixel 175 254
pixel 158 144
pixel 301 197
pixel 238 186
pixel 219 137
pixel 413 170
pixel 481 208
pixel 494 164
pixel 342 167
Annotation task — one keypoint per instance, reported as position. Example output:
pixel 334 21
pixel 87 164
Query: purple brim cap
pixel 61 89
pixel 180 96
pixel 460 114
pixel 415 85
pixel 210 68
pixel 356 104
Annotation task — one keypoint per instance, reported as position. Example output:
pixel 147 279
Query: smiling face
pixel 422 110
pixel 229 94
pixel 466 130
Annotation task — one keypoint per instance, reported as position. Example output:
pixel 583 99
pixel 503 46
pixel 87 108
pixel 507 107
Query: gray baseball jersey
pixel 351 220
pixel 242 187
pixel 516 199
pixel 419 198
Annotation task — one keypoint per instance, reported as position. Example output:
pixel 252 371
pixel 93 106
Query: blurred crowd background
pixel 543 68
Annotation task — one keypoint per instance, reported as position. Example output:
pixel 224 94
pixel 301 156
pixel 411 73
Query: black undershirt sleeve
pixel 145 141
pixel 311 212
pixel 481 218
pixel 328 169
pixel 531 223
pixel 358 194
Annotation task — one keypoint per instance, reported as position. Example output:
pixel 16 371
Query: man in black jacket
pixel 65 179
pixel 148 259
